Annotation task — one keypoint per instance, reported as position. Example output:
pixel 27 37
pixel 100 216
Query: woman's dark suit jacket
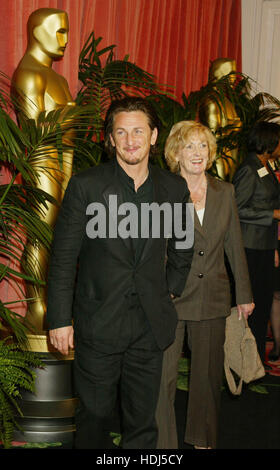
pixel 257 195
pixel 207 292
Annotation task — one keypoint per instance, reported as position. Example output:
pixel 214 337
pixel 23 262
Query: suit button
pixel 201 253
pixel 200 275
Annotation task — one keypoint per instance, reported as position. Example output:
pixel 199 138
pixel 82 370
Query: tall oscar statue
pixel 38 88
pixel 220 114
pixel 48 415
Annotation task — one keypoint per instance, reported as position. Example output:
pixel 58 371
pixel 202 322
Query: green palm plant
pixel 104 79
pixel 250 109
pixel 22 147
pixel 18 220
pixel 20 203
pixel 16 374
pixel 171 111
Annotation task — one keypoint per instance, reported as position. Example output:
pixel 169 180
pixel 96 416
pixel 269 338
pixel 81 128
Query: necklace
pixel 198 196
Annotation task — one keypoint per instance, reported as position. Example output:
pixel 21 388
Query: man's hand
pixel 62 339
pixel 245 310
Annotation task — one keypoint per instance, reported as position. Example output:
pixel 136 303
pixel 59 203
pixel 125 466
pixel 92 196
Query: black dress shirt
pixel 144 194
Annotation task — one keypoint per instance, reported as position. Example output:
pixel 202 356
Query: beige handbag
pixel 241 354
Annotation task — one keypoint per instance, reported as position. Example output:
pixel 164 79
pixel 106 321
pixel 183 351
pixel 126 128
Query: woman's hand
pixel 246 310
pixel 276 259
pixel 276 214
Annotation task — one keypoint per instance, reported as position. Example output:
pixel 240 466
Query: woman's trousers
pixel 206 342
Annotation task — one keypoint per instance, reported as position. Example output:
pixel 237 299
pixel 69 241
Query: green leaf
pixel 116 438
pixel 39 445
pixel 183 374
pixel 258 388
pixel 16 374
pixel 182 382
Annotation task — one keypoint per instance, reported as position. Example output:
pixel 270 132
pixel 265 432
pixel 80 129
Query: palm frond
pixel 16 374
pixel 105 79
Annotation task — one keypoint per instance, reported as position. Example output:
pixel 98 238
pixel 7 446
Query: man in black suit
pixel 120 295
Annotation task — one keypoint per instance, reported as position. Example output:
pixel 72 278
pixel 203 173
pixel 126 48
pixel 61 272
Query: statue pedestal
pixel 48 415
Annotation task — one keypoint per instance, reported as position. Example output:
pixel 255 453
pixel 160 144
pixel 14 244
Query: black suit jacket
pixel 96 292
pixel 257 195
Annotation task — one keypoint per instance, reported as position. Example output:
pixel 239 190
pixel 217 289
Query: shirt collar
pixel 128 181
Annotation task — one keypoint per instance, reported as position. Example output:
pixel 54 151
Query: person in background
pixel 274 353
pixel 258 200
pixel 206 300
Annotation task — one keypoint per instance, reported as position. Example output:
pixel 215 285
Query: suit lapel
pixel 197 225
pixel 212 204
pixel 114 189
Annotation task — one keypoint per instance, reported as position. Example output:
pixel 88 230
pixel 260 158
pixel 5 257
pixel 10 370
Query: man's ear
pixel 154 136
pixel 112 140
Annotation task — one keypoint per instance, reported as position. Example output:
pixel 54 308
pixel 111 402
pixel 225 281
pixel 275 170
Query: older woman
pixel 206 300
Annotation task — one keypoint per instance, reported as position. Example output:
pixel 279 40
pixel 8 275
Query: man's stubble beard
pixel 136 161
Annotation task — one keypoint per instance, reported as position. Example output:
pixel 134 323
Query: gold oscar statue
pixel 37 87
pixel 216 115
